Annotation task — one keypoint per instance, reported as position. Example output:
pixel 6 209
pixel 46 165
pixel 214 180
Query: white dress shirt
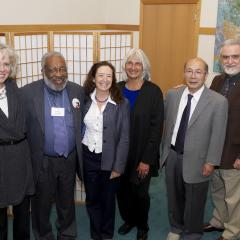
pixel 93 121
pixel 3 101
pixel 182 105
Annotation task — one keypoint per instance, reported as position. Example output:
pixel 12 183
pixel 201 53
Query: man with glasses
pixel 193 139
pixel 225 184
pixel 54 115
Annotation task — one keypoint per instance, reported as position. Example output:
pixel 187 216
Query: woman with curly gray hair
pixel 146 125
pixel 16 181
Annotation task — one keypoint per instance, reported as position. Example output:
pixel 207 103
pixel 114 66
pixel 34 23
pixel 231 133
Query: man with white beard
pixel 225 184
pixel 54 114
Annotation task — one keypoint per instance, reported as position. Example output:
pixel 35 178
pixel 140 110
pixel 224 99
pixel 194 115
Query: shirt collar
pixel 3 92
pixel 93 94
pixel 195 95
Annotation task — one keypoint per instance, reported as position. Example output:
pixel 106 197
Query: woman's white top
pixel 93 121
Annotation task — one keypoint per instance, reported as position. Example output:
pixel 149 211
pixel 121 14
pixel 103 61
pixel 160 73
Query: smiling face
pixel 195 74
pixel 55 73
pixel 230 59
pixel 4 68
pixel 134 68
pixel 104 78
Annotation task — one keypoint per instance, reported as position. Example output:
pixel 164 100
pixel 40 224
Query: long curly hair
pixel 89 85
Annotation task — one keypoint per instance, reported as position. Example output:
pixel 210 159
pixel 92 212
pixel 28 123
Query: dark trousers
pixel 186 202
pixel 21 221
pixel 56 182
pixel 100 196
pixel 134 202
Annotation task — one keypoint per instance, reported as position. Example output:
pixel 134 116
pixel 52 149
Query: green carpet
pixel 158 219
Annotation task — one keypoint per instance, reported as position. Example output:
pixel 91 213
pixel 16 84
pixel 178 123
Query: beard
pixel 231 71
pixel 53 86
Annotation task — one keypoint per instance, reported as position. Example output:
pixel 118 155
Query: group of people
pixel 201 145
pixel 109 134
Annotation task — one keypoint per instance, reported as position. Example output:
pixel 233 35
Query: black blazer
pixel 146 126
pixel 33 95
pixel 16 180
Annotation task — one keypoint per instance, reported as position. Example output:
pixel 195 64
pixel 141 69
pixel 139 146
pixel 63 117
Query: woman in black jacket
pixel 16 181
pixel 146 125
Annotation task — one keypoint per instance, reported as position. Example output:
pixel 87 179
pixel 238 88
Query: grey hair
pixel 13 59
pixel 48 55
pixel 139 54
pixel 230 42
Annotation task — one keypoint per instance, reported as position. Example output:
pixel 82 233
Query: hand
pixel 237 164
pixel 114 175
pixel 143 169
pixel 179 85
pixel 207 169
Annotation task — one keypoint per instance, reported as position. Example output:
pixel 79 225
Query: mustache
pixel 59 78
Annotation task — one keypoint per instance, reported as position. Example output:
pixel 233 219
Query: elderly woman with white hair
pixel 146 125
pixel 16 180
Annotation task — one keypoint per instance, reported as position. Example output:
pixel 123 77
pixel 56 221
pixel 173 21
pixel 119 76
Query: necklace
pixel 101 101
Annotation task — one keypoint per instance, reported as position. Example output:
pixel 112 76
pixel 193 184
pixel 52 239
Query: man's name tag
pixel 57 112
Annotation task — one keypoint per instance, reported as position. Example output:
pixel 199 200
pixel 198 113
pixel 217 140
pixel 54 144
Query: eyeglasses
pixel 197 73
pixel 55 70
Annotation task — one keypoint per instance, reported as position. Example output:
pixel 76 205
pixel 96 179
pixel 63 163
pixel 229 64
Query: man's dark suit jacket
pixel 33 95
pixel 231 149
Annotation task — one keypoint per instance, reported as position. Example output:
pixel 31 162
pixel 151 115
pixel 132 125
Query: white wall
pixel 70 12
pixel 99 12
pixel 206 42
pixel 52 12
pixel 122 12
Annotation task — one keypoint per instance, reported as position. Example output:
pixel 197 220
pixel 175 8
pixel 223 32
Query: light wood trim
pixel 96 46
pixel 50 41
pixel 131 39
pixel 29 33
pixel 207 31
pixel 72 33
pixel 122 27
pixel 141 23
pixel 114 33
pixel 169 1
pixel 66 27
pixel 11 39
pixel 197 25
pixel 8 38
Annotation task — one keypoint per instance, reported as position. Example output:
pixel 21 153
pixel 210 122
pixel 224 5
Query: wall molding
pixel 67 27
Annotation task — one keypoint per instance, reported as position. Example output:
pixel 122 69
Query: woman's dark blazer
pixel 146 126
pixel 16 180
pixel 115 135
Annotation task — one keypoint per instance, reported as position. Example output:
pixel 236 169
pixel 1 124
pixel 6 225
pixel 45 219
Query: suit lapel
pixel 76 111
pixel 38 100
pixel 202 103
pixel 176 102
